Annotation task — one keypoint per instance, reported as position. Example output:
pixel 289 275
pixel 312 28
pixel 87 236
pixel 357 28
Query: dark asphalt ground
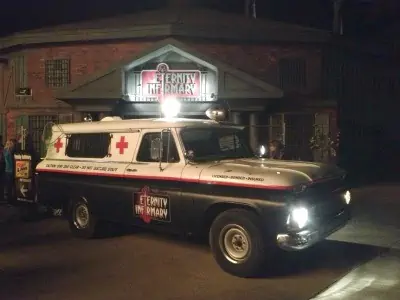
pixel 40 260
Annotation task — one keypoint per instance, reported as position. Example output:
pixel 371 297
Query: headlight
pixel 347 197
pixel 298 217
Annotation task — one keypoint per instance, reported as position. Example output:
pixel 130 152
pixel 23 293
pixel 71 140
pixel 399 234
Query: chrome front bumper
pixel 308 237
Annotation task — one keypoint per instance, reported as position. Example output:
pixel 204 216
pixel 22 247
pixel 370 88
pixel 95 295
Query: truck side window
pixel 149 148
pixel 88 145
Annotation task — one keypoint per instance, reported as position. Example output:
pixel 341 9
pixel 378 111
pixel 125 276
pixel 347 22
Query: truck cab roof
pixel 113 124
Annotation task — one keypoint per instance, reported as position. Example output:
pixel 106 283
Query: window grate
pixel 57 73
pixel 88 145
pixel 292 73
pixel 36 127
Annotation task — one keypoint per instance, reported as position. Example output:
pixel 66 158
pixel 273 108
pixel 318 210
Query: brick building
pixel 269 73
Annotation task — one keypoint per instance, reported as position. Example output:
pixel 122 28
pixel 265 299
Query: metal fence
pixel 34 126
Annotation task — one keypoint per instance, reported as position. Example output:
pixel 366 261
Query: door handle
pixel 131 170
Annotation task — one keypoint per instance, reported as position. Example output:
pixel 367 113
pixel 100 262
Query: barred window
pixel 88 145
pixel 36 125
pixel 292 73
pixel 57 72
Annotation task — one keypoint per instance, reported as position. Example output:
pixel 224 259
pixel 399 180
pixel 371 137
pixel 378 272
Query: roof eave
pixel 149 31
pixel 65 36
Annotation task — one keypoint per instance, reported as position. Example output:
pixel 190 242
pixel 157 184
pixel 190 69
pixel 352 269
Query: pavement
pixel 8 213
pixel 40 260
pixel 376 223
pixel 376 279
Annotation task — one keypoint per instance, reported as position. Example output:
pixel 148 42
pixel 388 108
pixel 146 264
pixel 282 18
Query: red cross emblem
pixel 58 145
pixel 122 145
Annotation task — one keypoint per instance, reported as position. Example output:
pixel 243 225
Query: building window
pixel 57 72
pixel 36 125
pixel 88 145
pixel 292 73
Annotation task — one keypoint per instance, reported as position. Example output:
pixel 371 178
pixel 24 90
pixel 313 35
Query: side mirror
pixel 189 155
pixel 261 151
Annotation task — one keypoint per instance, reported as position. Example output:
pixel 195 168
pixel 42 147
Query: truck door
pixel 155 177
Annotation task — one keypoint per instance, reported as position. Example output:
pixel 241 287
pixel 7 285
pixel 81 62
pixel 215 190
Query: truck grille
pixel 328 186
pixel 331 207
pixel 328 197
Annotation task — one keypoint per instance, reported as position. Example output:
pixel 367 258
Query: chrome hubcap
pixel 235 243
pixel 81 216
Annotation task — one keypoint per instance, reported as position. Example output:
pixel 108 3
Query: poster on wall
pixel 162 83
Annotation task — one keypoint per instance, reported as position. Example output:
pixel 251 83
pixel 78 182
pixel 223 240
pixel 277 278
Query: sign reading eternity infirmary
pixel 163 82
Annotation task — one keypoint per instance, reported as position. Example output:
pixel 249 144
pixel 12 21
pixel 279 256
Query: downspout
pixel 254 10
pixel 4 101
pixel 337 26
pixel 247 8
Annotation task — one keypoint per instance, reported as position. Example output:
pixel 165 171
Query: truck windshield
pixel 216 143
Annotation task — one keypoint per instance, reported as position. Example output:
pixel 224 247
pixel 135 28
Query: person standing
pixel 275 150
pixel 2 167
pixel 9 181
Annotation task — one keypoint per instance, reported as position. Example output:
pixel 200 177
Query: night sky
pixel 362 16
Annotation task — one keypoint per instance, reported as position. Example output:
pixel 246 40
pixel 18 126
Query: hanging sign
pixel 163 82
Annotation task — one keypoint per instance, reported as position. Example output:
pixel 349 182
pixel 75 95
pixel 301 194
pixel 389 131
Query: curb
pixel 317 295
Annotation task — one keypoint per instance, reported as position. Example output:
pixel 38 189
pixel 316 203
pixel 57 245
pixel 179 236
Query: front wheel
pixel 238 243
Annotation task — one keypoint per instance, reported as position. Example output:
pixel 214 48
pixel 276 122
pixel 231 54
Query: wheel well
pixel 214 210
pixel 67 203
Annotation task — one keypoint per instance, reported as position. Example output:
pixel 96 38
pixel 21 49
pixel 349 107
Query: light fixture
pixel 347 197
pixel 263 150
pixel 170 107
pixel 88 118
pixel 299 216
pixel 216 113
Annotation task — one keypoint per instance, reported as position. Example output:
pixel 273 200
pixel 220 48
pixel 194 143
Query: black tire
pixel 77 225
pixel 235 225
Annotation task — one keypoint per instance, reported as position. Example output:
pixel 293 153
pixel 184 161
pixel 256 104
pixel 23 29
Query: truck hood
pixel 266 173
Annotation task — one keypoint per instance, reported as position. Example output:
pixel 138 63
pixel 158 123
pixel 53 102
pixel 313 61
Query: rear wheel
pixel 238 243
pixel 82 222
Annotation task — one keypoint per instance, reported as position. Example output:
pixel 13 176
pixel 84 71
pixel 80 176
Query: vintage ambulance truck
pixel 193 177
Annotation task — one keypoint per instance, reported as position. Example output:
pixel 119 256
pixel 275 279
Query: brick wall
pixel 261 61
pixel 84 60
pixel 258 60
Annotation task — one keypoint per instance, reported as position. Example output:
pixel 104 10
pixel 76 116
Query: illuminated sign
pixel 163 82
